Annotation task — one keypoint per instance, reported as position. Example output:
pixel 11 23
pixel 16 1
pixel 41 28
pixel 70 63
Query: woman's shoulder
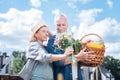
pixel 34 44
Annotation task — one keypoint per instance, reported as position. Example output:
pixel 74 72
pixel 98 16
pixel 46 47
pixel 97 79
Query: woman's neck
pixel 41 42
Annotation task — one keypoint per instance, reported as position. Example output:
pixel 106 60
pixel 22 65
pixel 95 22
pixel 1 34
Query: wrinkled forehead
pixel 61 19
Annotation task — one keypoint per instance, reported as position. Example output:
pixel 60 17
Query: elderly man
pixel 63 66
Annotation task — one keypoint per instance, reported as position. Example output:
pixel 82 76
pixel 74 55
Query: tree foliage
pixel 113 65
pixel 18 61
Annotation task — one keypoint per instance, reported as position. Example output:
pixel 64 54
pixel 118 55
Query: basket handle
pixel 95 35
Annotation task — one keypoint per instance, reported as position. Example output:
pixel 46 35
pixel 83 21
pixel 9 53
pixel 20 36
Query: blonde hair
pixel 33 38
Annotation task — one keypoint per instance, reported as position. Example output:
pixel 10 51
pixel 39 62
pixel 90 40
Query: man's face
pixel 61 25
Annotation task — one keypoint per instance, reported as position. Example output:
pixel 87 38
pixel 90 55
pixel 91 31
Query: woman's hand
pixel 57 41
pixel 68 51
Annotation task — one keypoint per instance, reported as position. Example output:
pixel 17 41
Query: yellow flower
pixel 81 42
pixel 94 44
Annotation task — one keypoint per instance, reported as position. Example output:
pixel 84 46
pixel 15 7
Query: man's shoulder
pixel 52 36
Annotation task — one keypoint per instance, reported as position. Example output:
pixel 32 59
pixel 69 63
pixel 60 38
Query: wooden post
pixel 10 77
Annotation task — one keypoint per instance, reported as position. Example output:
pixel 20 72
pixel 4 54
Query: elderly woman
pixel 38 66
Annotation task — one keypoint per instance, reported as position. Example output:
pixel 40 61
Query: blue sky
pixel 84 16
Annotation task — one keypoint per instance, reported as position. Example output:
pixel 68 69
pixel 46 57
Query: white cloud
pixel 105 27
pixel 117 56
pixel 88 16
pixel 35 3
pixel 0 43
pixel 73 29
pixel 87 19
pixel 70 4
pixel 88 24
pixel 16 20
pixel 108 29
pixel 112 47
pixel 15 27
pixel 45 0
pixel 9 47
pixel 109 3
pixel 56 12
pixel 85 1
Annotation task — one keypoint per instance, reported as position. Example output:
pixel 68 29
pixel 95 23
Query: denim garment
pixel 58 66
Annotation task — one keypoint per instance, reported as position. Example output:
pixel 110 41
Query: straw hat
pixel 35 28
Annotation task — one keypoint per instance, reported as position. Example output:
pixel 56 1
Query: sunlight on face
pixel 42 34
pixel 61 25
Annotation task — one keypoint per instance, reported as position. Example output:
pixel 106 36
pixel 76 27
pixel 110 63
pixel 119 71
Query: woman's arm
pixel 37 52
pixel 57 57
pixel 51 49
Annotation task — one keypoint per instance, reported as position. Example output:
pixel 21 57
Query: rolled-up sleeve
pixel 51 48
pixel 43 56
pixel 37 52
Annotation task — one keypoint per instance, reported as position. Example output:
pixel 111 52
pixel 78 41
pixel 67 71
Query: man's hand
pixel 85 57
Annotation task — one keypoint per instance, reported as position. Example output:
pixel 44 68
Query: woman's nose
pixel 47 34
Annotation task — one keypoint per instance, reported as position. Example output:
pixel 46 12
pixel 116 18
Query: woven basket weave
pixel 99 52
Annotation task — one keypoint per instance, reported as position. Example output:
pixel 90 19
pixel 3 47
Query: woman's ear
pixel 35 35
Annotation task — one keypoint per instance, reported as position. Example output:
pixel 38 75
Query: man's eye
pixel 58 24
pixel 63 24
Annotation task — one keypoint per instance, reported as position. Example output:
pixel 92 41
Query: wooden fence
pixel 10 77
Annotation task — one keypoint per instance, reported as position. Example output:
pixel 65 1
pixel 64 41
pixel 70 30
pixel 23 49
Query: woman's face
pixel 42 34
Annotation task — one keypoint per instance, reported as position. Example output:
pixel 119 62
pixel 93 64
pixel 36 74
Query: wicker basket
pixel 99 52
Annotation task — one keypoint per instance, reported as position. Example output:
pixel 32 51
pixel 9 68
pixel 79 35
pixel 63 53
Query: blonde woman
pixel 38 66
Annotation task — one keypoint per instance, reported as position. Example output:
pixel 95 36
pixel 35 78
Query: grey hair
pixel 58 16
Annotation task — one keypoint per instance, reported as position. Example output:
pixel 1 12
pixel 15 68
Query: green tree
pixel 18 61
pixel 113 65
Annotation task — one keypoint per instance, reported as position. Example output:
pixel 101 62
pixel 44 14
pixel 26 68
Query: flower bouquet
pixel 98 47
pixel 67 40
